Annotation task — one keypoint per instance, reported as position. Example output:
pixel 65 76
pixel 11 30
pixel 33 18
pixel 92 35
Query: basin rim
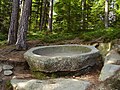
pixel 30 51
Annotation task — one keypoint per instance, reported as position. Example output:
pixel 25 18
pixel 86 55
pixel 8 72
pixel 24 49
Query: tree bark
pixel 23 27
pixel 106 13
pixel 12 34
pixel 43 14
pixel 37 14
pixel 50 16
pixel 21 9
pixel 69 16
pixel 41 10
pixel 46 15
pixel 83 14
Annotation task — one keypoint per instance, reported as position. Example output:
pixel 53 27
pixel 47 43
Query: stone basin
pixel 61 57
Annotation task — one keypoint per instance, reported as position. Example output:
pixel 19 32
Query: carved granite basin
pixel 61 57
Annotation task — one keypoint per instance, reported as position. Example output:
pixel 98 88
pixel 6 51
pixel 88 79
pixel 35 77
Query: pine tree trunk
pixel 12 35
pixel 23 27
pixel 46 15
pixel 43 15
pixel 69 17
pixel 83 14
pixel 50 16
pixel 106 13
pixel 21 9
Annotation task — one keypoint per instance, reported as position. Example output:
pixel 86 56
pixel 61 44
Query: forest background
pixel 57 20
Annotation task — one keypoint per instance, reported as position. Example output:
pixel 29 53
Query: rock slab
pixel 8 72
pixel 7 67
pixel 111 65
pixel 1 80
pixel 52 84
pixel 113 57
pixel 0 68
pixel 108 71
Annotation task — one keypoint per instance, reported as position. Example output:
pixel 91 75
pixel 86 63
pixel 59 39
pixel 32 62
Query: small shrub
pixel 8 85
pixel 3 37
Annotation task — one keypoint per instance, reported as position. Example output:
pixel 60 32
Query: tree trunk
pixel 23 27
pixel 106 13
pixel 69 17
pixel 41 6
pixel 37 13
pixel 12 34
pixel 41 10
pixel 83 14
pixel 50 16
pixel 21 9
pixel 43 15
pixel 46 15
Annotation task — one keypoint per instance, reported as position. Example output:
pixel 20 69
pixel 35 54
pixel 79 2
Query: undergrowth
pixel 106 34
pixel 87 35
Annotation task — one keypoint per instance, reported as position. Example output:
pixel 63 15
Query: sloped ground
pixel 9 55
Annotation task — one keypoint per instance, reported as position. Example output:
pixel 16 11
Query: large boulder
pixel 112 83
pixel 52 84
pixel 62 57
pixel 108 71
pixel 113 57
pixel 111 64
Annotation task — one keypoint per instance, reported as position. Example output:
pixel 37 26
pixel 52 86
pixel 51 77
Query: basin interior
pixel 61 51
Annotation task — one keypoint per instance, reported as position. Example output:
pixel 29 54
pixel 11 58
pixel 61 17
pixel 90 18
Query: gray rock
pixel 112 83
pixel 52 84
pixel 104 48
pixel 61 57
pixel 8 72
pixel 7 67
pixel 0 68
pixel 113 57
pixel 108 71
pixel 1 80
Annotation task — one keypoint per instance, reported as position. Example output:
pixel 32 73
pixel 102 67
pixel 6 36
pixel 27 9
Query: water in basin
pixel 61 51
pixel 61 54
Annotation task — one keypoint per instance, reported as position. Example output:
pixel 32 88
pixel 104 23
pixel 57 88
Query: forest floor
pixel 9 55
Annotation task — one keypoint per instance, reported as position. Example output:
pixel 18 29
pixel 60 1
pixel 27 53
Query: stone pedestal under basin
pixel 61 57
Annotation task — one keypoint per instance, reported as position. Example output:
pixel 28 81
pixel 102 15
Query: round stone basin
pixel 61 57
